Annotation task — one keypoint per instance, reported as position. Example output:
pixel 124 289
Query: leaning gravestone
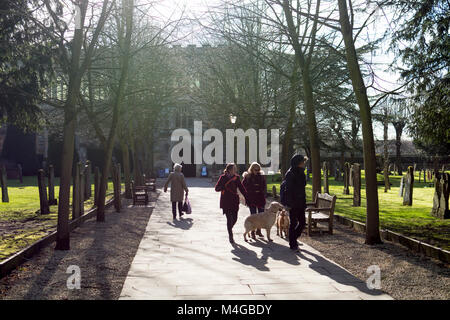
pixel 356 185
pixel 325 178
pixel 3 182
pixel 42 192
pixel 402 187
pixel 409 184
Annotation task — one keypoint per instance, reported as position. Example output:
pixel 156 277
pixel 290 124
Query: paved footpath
pixel 191 258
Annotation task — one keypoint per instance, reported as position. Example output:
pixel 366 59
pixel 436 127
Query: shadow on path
pixel 333 271
pixel 249 257
pixel 184 224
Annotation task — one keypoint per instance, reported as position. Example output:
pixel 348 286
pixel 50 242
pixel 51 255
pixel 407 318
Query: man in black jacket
pixel 296 198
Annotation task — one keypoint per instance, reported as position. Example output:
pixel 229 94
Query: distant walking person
pixel 227 185
pixel 296 198
pixel 256 186
pixel 177 185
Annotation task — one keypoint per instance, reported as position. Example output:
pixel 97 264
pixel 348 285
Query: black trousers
pixel 231 221
pixel 297 224
pixel 174 208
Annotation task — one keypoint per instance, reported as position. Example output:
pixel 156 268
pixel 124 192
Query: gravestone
pixel 19 170
pixel 330 168
pixel 429 175
pixel 76 193
pixel 409 185
pixel 346 178
pixel 274 192
pixel 402 187
pixel 87 181
pixel 96 184
pixel 325 178
pixel 42 192
pixel 81 188
pixel 350 178
pixel 4 185
pixel 356 185
pixel 441 197
pixel 51 186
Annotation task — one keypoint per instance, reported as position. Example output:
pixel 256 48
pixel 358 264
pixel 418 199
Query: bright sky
pixel 164 10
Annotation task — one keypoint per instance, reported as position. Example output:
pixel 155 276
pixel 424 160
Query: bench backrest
pixel 324 200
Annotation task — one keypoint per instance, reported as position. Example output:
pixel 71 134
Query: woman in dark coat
pixel 227 185
pixel 296 198
pixel 255 184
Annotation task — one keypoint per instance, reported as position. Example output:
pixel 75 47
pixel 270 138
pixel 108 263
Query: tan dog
pixel 283 224
pixel 263 220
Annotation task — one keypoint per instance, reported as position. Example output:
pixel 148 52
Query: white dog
pixel 263 220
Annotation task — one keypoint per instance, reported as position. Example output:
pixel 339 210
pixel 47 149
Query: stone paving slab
pixel 191 258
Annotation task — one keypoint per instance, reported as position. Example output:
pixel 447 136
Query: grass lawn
pixel 414 221
pixel 20 225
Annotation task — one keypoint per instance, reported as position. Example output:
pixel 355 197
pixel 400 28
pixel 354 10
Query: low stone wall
pixel 410 243
pixel 23 255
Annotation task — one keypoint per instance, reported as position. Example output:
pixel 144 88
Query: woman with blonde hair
pixel 177 185
pixel 227 185
pixel 256 186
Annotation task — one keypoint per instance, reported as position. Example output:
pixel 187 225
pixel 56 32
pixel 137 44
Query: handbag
pixel 187 206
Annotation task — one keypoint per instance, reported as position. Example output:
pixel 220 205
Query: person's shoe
pixel 253 235
pixel 258 233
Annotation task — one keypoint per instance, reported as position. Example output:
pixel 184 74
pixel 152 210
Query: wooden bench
pixel 321 210
pixel 140 195
pixel 151 184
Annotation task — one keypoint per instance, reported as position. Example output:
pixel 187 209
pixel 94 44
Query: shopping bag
pixel 186 206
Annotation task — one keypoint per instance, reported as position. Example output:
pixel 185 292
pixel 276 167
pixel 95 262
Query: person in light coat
pixel 177 186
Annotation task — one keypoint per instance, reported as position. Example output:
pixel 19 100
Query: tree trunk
pixel 304 64
pixel 398 125
pixel 128 15
pixel 70 118
pixel 287 141
pixel 372 220
pixel 387 185
pixel 126 169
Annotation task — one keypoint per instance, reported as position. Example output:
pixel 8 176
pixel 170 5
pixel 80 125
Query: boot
pixel 258 233
pixel 253 235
